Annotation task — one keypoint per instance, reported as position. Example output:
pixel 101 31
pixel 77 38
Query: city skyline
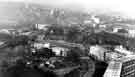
pixel 125 7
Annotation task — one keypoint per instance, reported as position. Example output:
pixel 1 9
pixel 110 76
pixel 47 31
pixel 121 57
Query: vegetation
pixel 67 26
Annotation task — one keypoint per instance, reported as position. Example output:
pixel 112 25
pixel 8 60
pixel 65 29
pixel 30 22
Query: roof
pixel 127 58
pixel 64 44
pixel 113 69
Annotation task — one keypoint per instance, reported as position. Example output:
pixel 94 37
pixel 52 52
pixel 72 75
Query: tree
pixel 73 34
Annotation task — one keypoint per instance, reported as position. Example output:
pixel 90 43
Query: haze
pixel 125 7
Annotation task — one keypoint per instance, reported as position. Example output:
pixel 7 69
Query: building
pixel 62 47
pixel 102 26
pixel 95 19
pixel 60 51
pixel 113 69
pixel 25 33
pixel 41 37
pixel 116 29
pixel 112 56
pixel 41 26
pixel 122 50
pixel 41 45
pixel 4 31
pixel 123 67
pixel 131 33
pixel 128 67
pixel 98 52
pixel 9 31
pixel 103 54
pixel 1 43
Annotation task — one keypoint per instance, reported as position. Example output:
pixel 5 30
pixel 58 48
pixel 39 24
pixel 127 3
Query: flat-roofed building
pixel 123 67
pixel 98 52
pixel 41 26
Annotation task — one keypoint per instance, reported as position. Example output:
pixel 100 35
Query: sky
pixel 124 6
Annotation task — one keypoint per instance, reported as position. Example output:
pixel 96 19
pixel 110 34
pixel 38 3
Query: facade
pixel 123 67
pixel 25 33
pixel 122 50
pixel 41 26
pixel 113 69
pixel 1 43
pixel 128 68
pixel 4 31
pixel 131 33
pixel 40 37
pixel 9 31
pixel 41 45
pixel 102 26
pixel 98 51
pixel 95 19
pixel 115 30
pixel 109 56
pixel 60 51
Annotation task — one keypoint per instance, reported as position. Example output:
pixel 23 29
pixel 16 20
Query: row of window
pixel 128 69
pixel 132 74
pixel 128 63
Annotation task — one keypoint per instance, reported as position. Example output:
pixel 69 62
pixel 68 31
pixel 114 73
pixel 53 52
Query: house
pixel 9 31
pixel 98 52
pixel 41 45
pixel 116 29
pixel 41 26
pixel 124 67
pixel 62 47
pixel 87 21
pixel 25 33
pixel 4 31
pixel 60 51
pixel 131 33
pixel 102 26
pixel 95 19
pixel 1 43
pixel 112 56
pixel 41 37
pixel 122 50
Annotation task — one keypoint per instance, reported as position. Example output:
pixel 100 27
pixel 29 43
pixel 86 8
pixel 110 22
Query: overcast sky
pixel 123 6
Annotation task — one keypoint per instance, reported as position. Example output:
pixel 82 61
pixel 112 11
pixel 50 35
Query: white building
pixel 60 51
pixel 131 33
pixel 116 29
pixel 102 26
pixel 122 50
pixel 40 37
pixel 41 45
pixel 8 31
pixel 87 21
pixel 109 56
pixel 41 26
pixel 4 31
pixel 1 42
pixel 97 51
pixel 95 19
pixel 25 33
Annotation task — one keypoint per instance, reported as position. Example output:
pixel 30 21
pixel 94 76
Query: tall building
pixel 124 67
